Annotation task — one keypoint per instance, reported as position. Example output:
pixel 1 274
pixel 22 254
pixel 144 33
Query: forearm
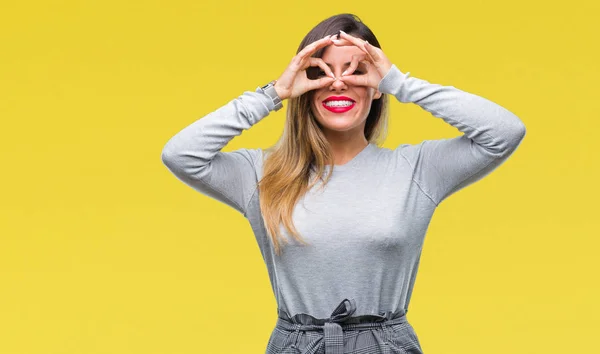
pixel 191 149
pixel 488 124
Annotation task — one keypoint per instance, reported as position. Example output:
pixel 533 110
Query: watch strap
pixel 269 90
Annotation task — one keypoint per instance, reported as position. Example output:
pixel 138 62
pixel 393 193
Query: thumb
pixel 316 84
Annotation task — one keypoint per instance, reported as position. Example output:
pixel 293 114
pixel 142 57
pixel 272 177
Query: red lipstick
pixel 339 109
pixel 338 98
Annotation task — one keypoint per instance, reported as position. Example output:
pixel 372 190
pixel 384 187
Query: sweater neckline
pixel 354 161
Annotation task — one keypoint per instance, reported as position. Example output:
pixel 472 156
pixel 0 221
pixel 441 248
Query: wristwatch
pixel 270 91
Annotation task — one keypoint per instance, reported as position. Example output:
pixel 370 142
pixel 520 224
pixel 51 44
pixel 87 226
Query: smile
pixel 339 109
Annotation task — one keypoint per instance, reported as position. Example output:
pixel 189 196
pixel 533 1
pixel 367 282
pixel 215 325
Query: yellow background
pixel 102 250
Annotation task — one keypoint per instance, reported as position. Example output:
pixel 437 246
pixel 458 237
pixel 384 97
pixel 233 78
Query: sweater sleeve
pixel 442 167
pixel 194 154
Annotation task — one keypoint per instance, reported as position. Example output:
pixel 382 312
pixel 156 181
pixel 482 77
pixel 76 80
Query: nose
pixel 338 85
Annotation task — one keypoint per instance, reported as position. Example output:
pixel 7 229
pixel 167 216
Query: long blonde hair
pixel 303 147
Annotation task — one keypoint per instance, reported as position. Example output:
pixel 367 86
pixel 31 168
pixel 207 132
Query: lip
pixel 339 98
pixel 339 109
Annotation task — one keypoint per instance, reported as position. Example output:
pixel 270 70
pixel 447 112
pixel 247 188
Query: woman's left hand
pixel 378 64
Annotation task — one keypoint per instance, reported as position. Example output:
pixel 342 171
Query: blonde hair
pixel 303 148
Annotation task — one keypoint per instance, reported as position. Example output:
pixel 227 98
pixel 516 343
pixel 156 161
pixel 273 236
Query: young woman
pixel 344 279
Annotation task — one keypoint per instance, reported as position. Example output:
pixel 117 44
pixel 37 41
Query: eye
pixel 359 72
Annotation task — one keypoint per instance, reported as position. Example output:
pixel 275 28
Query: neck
pixel 344 152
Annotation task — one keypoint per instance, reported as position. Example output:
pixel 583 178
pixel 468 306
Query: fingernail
pixel 343 32
pixel 333 76
pixel 344 73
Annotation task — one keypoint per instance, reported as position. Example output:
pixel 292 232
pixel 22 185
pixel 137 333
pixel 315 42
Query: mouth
pixel 338 104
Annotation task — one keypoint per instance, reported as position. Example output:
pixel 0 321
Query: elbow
pixel 519 133
pixel 175 163
pixel 508 138
pixel 166 158
pixel 522 130
pixel 514 137
pixel 169 158
pixel 183 163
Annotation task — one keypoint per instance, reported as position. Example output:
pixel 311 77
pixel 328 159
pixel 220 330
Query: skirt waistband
pixel 339 321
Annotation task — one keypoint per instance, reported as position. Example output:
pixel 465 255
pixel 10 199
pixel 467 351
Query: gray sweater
pixel 366 228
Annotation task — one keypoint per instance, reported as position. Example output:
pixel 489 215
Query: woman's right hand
pixel 294 81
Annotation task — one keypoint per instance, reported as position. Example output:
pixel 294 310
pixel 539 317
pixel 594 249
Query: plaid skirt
pixel 387 333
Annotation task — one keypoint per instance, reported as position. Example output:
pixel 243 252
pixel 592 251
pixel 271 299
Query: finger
pixel 341 42
pixel 344 43
pixel 322 82
pixel 299 60
pixel 356 80
pixel 373 52
pixel 356 60
pixel 320 63
pixel 314 46
pixel 356 41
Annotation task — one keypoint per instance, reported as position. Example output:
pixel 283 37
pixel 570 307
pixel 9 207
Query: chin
pixel 338 124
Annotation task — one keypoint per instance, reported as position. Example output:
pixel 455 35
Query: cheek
pixel 314 106
pixel 317 104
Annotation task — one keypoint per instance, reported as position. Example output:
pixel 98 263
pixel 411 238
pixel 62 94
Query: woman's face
pixel 341 118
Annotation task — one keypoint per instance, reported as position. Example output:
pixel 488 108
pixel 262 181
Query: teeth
pixel 338 103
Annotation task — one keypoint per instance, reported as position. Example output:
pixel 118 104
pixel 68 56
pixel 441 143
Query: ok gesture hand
pixel 377 63
pixel 294 80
